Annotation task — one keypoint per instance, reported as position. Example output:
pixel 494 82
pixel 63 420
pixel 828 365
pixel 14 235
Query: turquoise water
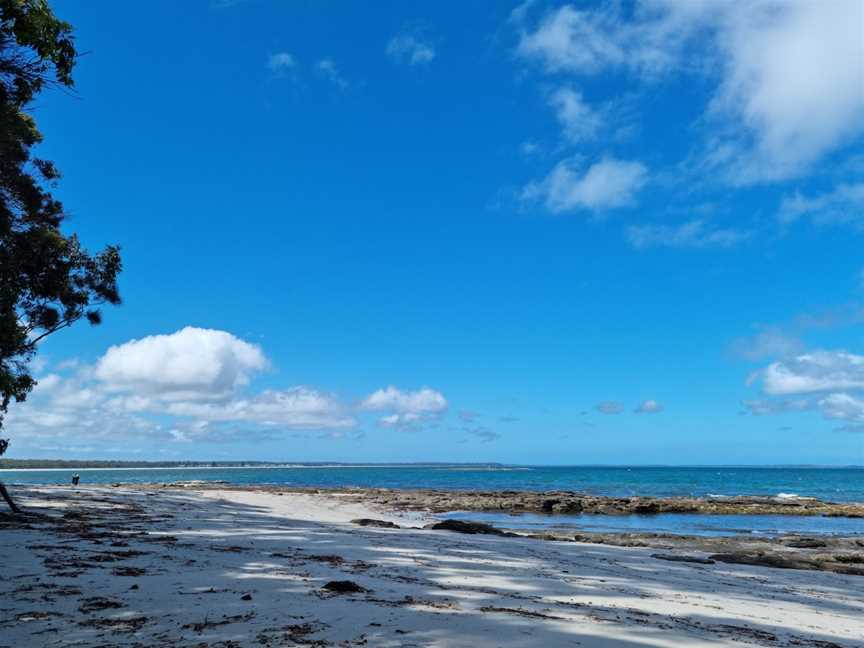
pixel 832 484
pixel 677 523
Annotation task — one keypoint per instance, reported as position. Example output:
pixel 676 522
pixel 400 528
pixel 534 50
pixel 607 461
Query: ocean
pixel 830 484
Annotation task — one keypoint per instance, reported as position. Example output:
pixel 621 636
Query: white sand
pixel 427 588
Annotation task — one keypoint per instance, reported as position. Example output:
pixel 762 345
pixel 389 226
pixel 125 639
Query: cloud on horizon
pixel 194 385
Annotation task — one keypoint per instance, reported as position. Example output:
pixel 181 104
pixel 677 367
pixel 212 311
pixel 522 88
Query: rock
pixel 370 522
pixel 246 597
pixel 688 559
pixel 806 543
pixel 465 526
pixel 646 508
pixel 765 560
pixel 344 587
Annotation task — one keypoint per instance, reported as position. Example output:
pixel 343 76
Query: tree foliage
pixel 48 281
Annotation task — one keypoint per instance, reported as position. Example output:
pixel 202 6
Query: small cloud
pixel 692 234
pixel 328 69
pixel 609 407
pixel 467 415
pixel 843 205
pixel 408 409
pixel 579 121
pixel 763 407
pixel 509 419
pixel 649 407
pixel 770 342
pixel 528 148
pixel 405 48
pixel 485 434
pixel 606 184
pixel 281 62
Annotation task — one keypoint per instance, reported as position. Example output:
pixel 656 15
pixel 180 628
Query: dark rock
pixel 464 526
pixel 646 508
pixel 370 522
pixel 764 560
pixel 344 587
pixel 246 597
pixel 549 504
pixel 688 559
pixel 806 543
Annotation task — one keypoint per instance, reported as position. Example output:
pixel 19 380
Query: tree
pixel 47 280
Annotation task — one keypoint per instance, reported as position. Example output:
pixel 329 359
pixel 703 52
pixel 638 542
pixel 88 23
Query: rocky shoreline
pixel 554 502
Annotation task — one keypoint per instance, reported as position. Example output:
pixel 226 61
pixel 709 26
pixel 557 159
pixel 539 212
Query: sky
pixel 539 233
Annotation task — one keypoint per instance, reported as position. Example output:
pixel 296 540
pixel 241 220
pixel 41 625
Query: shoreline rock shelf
pixel 566 502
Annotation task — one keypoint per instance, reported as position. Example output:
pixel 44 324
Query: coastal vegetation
pixel 48 281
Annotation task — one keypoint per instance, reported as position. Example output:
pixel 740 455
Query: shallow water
pixel 832 484
pixel 676 523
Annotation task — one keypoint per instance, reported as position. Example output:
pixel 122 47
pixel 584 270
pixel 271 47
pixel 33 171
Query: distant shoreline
pixel 51 464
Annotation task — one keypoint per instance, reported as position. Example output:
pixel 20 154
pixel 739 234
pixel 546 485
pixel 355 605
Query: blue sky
pixel 538 233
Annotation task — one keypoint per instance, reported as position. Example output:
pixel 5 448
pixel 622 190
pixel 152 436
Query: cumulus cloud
pixel 787 74
pixel 191 363
pixel 297 407
pixel 606 184
pixel 817 371
pixel 407 408
pixel 842 406
pixel 609 407
pixel 405 48
pixel 828 381
pixel 194 385
pixel 649 407
pixel 692 234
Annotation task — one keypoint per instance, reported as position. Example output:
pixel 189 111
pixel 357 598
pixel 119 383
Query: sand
pixel 120 566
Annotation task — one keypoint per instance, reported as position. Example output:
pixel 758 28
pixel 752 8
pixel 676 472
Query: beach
pixel 234 567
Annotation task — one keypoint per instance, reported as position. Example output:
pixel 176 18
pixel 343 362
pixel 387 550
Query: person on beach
pixel 75 479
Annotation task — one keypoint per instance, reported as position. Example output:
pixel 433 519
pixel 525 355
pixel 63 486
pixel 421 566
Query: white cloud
pixel 578 120
pixel 189 364
pixel 609 407
pixel 606 184
pixel 692 234
pixel 788 73
pixel 192 386
pixel 818 371
pixel 649 407
pixel 793 79
pixel 408 408
pixel 832 377
pixel 842 406
pixel 328 68
pixel 405 48
pixel 298 407
pixel 575 41
pixel 281 61
pixel 844 204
